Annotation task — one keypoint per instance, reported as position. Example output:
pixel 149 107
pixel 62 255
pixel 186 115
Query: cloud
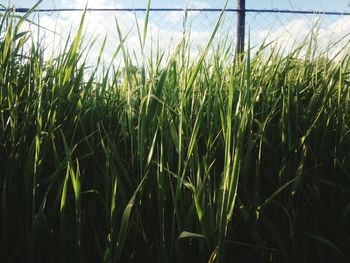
pixel 174 17
pixel 166 35
pixel 177 17
pixel 97 25
pixel 328 35
pixel 198 4
pixel 288 35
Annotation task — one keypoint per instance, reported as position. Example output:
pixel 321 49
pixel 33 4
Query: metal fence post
pixel 240 26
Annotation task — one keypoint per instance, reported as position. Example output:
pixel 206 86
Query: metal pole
pixel 240 26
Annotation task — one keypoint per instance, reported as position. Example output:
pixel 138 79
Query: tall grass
pixel 212 160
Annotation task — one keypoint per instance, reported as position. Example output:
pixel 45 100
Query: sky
pixel 334 5
pixel 165 29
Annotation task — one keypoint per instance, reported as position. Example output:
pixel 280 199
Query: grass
pixel 212 160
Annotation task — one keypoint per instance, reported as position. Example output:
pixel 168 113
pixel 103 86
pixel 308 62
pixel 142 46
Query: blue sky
pixel 338 5
pixel 165 28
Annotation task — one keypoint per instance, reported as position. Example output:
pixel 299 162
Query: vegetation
pixel 213 160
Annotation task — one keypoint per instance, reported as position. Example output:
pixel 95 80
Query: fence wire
pixel 284 28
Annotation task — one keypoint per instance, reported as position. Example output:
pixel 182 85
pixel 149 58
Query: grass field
pixel 216 159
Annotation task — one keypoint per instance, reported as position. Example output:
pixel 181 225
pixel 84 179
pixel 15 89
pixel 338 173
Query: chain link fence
pixel 283 28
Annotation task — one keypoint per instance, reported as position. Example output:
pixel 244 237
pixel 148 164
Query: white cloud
pixel 197 4
pixel 174 17
pixel 99 24
pixel 177 17
pixel 328 36
pixel 288 35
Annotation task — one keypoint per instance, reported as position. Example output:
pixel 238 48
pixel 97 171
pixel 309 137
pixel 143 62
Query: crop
pixel 216 159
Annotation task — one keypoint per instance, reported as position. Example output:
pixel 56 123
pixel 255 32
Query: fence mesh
pixel 166 27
